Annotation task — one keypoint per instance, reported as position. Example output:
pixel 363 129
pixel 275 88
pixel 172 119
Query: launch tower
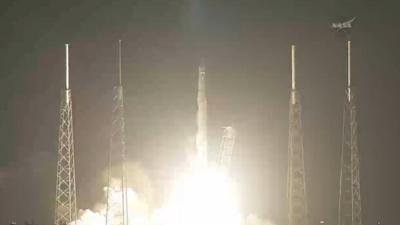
pixel 296 186
pixel 226 148
pixel 65 207
pixel 349 193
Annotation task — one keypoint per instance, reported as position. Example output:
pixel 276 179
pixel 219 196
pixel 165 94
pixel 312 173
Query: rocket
pixel 201 136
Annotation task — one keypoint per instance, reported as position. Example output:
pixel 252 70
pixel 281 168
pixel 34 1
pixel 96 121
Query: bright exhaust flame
pixel 202 196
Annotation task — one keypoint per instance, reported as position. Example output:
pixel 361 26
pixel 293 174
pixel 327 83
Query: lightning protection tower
pixel 296 186
pixel 65 208
pixel 117 199
pixel 349 193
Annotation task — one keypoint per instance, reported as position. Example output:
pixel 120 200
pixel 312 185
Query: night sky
pixel 246 46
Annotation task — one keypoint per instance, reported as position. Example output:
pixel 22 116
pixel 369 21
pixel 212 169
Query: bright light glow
pixel 138 209
pixel 204 196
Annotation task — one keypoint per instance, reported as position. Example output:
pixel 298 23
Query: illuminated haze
pixel 246 47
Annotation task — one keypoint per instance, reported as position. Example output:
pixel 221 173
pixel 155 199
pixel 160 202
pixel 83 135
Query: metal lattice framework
pixel 226 148
pixel 296 186
pixel 117 208
pixel 65 208
pixel 349 193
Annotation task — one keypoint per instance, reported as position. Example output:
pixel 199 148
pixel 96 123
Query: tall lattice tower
pixel 117 199
pixel 349 193
pixel 226 148
pixel 65 208
pixel 296 186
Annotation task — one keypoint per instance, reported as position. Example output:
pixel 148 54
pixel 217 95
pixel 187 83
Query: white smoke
pixel 138 209
pixel 89 217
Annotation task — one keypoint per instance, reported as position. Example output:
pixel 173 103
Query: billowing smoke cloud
pixel 139 200
pixel 138 209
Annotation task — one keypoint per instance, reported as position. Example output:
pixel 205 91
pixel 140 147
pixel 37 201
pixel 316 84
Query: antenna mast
pixel 296 186
pixel 66 67
pixel 119 63
pixel 293 48
pixel 348 70
pixel 65 207
pixel 293 66
pixel 349 193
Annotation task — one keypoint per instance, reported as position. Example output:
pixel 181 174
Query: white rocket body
pixel 201 136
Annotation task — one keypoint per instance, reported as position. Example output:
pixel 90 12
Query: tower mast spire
pixel 65 207
pixel 66 67
pixel 119 63
pixel 293 67
pixel 349 212
pixel 296 186
pixel 293 48
pixel 348 69
pixel 350 209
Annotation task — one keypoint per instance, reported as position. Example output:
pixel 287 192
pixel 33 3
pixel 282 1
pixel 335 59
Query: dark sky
pixel 246 46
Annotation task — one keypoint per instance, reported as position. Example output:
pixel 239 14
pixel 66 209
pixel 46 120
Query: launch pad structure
pixel 349 193
pixel 65 204
pixel 226 148
pixel 349 210
pixel 296 184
